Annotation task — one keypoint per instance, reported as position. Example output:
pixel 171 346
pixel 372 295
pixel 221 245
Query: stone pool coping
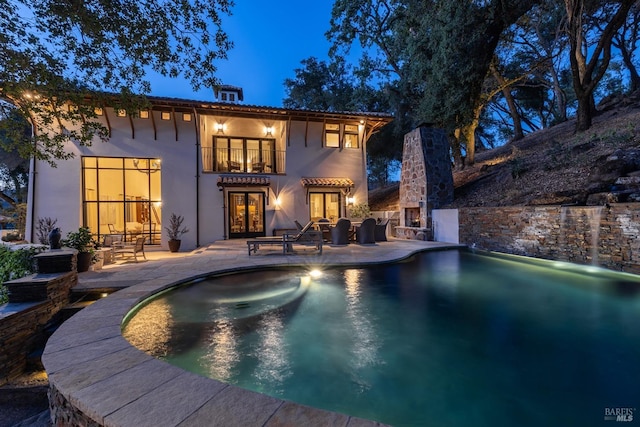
pixel 96 374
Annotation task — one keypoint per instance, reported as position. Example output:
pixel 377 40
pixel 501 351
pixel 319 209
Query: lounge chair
pixel 340 233
pixel 306 236
pixel 380 233
pixel 133 250
pixel 365 234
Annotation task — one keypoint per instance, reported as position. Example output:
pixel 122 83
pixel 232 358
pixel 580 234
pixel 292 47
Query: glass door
pixel 246 214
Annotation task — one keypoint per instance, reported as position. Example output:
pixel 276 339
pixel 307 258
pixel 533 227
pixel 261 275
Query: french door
pixel 246 214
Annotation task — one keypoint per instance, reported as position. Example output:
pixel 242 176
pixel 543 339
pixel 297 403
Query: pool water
pixel 447 338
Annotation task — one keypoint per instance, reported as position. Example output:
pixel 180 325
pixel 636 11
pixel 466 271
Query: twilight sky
pixel 270 38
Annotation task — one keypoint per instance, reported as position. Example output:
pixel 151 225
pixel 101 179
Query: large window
pixel 324 205
pixel 332 135
pixel 244 155
pixel 122 196
pixel 350 136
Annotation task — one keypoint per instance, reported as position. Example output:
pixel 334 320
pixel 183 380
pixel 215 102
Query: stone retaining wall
pixel 23 324
pixel 606 236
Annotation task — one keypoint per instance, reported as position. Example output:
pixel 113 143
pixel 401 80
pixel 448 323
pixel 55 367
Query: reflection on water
pixel 361 321
pixel 273 366
pixel 222 353
pixel 446 338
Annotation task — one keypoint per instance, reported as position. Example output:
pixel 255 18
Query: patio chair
pixel 112 240
pixel 365 234
pixel 340 233
pixel 133 250
pixel 380 232
pixel 257 167
pixel 113 230
pixel 234 166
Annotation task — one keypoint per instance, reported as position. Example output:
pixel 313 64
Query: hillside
pixel 553 166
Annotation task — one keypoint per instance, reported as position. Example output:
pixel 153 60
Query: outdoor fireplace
pixel 426 182
pixel 412 217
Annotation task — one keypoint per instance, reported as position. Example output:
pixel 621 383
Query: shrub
pixel 360 211
pixel 44 227
pixel 15 264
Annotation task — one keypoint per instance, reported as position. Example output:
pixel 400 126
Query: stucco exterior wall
pixel 187 189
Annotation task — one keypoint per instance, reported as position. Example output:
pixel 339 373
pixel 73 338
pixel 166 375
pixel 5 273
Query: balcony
pixel 232 160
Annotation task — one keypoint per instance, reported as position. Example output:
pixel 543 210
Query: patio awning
pixel 327 182
pixel 344 184
pixel 243 181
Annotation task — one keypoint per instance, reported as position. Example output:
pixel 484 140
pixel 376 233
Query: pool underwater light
pixel 315 273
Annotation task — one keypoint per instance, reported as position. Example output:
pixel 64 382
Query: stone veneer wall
pixel 426 180
pixel 65 413
pixel 605 236
pixel 23 329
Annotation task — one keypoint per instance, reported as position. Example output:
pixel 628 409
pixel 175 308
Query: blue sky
pixel 270 38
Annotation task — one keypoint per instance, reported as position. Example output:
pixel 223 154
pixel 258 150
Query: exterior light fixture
pixel 268 130
pixel 351 200
pixel 165 115
pixel 144 114
pixel 121 113
pixel 315 273
pixel 98 111
pixel 220 128
pixel 277 203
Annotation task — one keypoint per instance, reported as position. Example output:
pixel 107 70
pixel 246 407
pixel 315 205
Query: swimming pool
pixel 447 338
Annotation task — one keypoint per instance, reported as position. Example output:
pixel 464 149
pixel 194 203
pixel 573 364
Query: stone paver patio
pixel 94 368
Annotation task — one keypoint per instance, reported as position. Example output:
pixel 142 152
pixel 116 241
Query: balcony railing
pixel 241 160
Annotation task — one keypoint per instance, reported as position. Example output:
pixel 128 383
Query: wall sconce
pixel 144 114
pixel 220 128
pixel 121 113
pixel 277 204
pixel 351 200
pixel 186 117
pixel 98 111
pixel 165 115
pixel 268 130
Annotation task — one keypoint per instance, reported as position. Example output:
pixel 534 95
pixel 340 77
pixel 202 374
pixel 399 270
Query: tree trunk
pixel 456 150
pixel 584 115
pixel 513 110
pixel 469 134
pixel 587 74
pixel 634 77
pixel 561 98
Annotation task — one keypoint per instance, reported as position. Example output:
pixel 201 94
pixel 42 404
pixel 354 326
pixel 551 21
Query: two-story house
pixel 232 170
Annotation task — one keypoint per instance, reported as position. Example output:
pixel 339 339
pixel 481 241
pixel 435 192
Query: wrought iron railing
pixel 241 160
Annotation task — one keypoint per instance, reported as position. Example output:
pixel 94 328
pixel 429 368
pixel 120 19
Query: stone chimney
pixel 426 181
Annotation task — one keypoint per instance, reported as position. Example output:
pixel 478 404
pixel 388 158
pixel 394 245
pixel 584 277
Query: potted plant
pixel 174 231
pixel 82 241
